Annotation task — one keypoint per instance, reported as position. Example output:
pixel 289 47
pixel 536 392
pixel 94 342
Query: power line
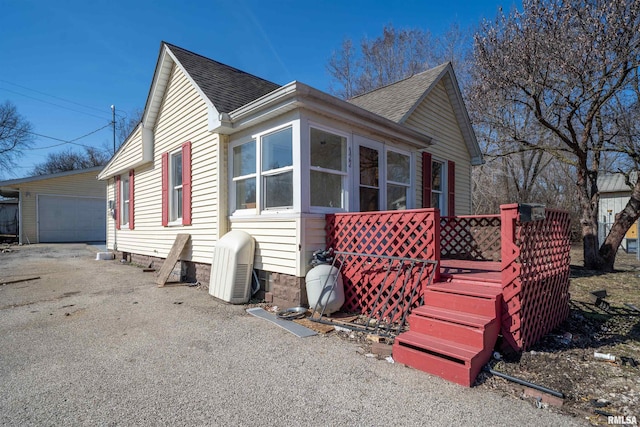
pixel 63 141
pixel 56 97
pixel 52 103
pixel 53 96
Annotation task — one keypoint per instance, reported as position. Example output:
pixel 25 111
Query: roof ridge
pixel 443 65
pixel 173 46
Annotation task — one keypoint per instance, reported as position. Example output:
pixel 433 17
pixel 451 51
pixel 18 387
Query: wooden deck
pixel 481 271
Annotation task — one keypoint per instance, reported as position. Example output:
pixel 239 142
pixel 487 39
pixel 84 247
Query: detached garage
pixel 63 207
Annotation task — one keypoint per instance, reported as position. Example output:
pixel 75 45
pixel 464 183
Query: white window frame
pixel 442 193
pixel 174 218
pixel 275 172
pixel 410 187
pixel 346 175
pixel 124 203
pixel 383 149
pixel 260 196
pixel 233 179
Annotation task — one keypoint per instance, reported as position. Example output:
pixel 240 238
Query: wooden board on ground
pixel 318 327
pixel 172 258
pixel 14 280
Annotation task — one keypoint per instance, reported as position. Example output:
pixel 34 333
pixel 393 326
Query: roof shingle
pixel 226 87
pixel 395 100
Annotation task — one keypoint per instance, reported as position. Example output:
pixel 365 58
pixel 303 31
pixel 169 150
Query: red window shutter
pixel 117 203
pixel 186 183
pixel 451 185
pixel 165 189
pixel 426 180
pixel 131 174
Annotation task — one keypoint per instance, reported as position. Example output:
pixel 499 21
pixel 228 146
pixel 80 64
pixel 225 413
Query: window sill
pixel 176 223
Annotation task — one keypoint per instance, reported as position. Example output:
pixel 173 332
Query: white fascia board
pixel 104 175
pixel 296 94
pixel 158 85
pixel 148 144
pixel 378 125
pixel 212 112
pixel 455 96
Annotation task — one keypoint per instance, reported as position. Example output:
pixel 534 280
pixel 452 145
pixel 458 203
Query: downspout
pixel 20 217
pixel 113 217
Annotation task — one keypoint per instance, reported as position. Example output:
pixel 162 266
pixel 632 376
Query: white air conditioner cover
pixel 232 267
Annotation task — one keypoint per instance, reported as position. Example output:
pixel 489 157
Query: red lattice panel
pixel 474 238
pixel 383 289
pixel 408 234
pixel 536 289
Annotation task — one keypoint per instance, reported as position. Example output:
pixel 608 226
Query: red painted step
pixel 454 333
pixel 452 325
pixel 453 316
pixel 460 302
pixel 467 287
pixel 453 362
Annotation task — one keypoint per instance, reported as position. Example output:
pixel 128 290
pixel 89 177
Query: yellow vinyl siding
pixel 78 185
pixel 276 243
pixel 435 117
pixel 130 153
pixel 182 118
pixel 313 238
pixel 284 245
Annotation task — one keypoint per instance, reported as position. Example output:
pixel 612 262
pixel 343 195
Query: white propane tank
pixel 324 276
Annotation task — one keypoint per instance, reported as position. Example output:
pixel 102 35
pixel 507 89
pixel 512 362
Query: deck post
pixel 510 274
pixel 436 238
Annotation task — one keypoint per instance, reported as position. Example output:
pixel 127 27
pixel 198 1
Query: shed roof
pixel 615 182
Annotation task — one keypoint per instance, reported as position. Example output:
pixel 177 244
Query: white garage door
pixel 71 219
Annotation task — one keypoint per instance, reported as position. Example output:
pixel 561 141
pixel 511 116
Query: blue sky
pixel 64 63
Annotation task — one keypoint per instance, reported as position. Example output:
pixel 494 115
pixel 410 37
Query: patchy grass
pixel 564 360
pixel 622 286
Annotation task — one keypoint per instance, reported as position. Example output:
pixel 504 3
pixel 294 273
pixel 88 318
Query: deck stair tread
pixel 453 316
pixel 477 277
pixel 438 345
pixel 466 288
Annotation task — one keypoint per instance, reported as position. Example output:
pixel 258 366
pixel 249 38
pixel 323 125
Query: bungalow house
pixel 61 207
pixel 219 149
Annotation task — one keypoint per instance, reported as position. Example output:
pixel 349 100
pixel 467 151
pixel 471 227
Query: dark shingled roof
pixel 395 100
pixel 226 87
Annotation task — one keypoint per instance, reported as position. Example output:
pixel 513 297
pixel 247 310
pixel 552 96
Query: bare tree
pixel 395 55
pixel 15 136
pixel 126 124
pixel 572 65
pixel 70 160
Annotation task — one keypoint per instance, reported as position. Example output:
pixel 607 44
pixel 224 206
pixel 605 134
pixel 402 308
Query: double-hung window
pixel 328 171
pixel 398 180
pixel 126 199
pixel 262 172
pixel 276 171
pixel 175 186
pixel 244 175
pixel 437 185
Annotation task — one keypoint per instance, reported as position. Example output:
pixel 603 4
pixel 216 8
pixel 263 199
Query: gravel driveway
pixel 97 343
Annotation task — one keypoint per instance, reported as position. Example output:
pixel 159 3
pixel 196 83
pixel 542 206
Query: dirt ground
pixel 564 360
